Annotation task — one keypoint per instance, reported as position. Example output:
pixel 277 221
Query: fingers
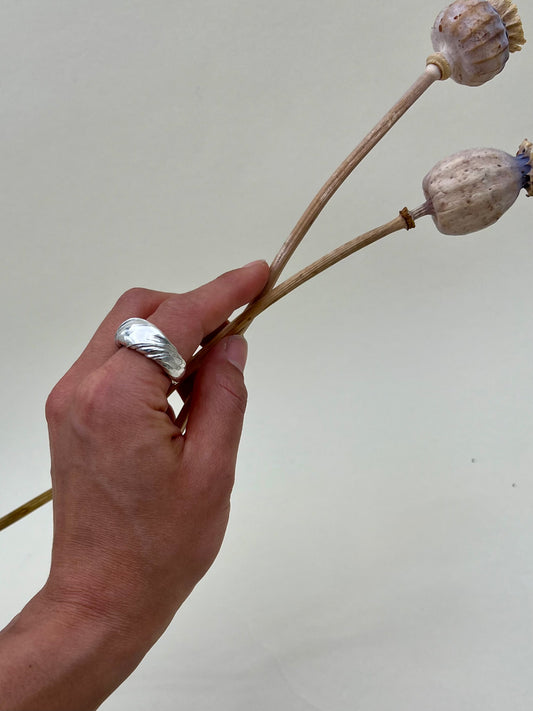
pixel 138 302
pixel 216 416
pixel 184 318
pixel 187 318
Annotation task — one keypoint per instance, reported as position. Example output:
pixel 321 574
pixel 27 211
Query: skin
pixel 140 510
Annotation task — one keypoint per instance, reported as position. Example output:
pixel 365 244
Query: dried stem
pixel 239 325
pixel 270 294
pixel 399 223
pixel 25 509
pixel 431 74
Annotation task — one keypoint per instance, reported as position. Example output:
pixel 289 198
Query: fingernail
pixel 237 351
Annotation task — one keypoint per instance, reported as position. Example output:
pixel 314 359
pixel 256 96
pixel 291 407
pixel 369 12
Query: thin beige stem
pixel 25 509
pixel 431 74
pixel 270 295
pixel 399 223
pixel 241 323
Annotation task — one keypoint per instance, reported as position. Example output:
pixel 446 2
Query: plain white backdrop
pixel 379 551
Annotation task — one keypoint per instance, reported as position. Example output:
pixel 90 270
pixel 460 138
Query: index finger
pixel 186 319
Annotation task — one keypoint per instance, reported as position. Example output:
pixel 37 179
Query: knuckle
pixel 95 398
pixel 56 404
pixel 135 297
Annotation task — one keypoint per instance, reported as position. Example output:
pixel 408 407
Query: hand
pixel 140 509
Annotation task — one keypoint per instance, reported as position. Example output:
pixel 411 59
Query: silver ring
pixel 145 338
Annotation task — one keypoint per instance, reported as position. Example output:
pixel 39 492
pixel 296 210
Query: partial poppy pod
pixel 471 190
pixel 473 39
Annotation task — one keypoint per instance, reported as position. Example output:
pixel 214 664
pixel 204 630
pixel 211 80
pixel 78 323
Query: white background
pixel 379 552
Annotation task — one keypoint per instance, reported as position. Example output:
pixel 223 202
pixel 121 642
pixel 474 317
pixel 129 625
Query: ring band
pixel 145 338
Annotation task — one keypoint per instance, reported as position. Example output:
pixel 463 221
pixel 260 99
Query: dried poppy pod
pixel 472 39
pixel 472 189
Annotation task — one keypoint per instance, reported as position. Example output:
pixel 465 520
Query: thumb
pixel 216 414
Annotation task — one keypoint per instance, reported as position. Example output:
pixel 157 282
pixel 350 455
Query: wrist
pixel 55 655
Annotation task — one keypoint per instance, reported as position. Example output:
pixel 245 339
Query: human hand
pixel 140 509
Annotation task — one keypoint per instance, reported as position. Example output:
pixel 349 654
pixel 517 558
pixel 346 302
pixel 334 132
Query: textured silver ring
pixel 145 338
